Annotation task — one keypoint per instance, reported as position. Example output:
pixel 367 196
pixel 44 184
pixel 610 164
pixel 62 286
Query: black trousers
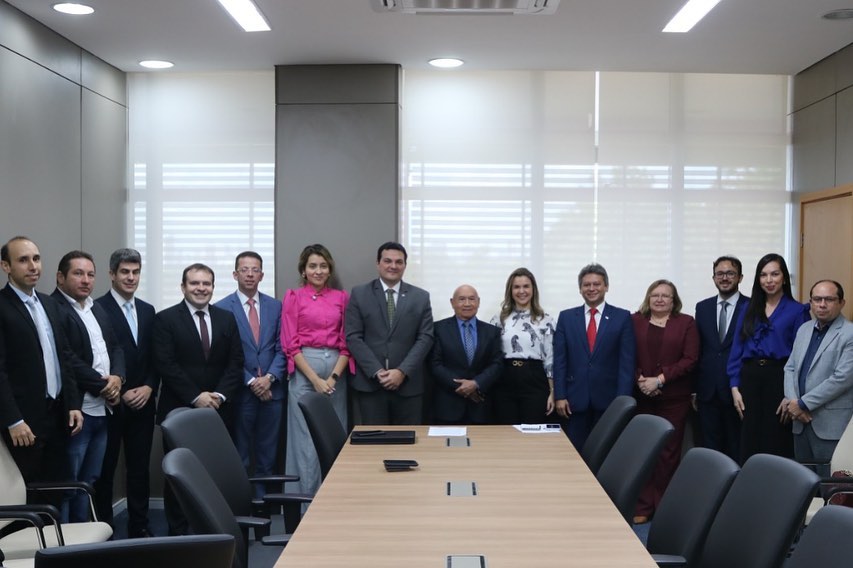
pixel 762 389
pixel 521 394
pixel 135 430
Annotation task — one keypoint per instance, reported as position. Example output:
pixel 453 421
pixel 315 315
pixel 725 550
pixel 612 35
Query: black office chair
pixel 202 503
pixel 202 431
pixel 607 430
pixel 631 460
pixel 689 505
pixel 760 515
pixel 826 541
pixel 209 551
pixel 327 433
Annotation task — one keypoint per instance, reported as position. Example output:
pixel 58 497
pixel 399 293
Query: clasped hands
pixel 468 389
pixel 649 385
pixel 112 391
pixel 390 379
pixel 790 410
pixel 261 386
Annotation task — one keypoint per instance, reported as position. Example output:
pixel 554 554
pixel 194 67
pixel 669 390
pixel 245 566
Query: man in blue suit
pixel 594 356
pixel 259 404
pixel 719 423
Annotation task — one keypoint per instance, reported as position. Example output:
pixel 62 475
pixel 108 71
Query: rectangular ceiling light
pixel 246 14
pixel 690 15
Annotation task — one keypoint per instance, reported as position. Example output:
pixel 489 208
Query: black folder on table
pixel 382 437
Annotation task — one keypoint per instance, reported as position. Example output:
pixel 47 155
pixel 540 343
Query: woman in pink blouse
pixel 312 336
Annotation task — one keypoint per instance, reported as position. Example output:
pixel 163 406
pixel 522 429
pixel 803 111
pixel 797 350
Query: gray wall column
pixel 337 166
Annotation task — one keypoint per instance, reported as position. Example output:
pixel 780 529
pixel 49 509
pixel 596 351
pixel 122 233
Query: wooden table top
pixel 537 505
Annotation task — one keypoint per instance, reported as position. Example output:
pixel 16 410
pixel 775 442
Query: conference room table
pixel 536 504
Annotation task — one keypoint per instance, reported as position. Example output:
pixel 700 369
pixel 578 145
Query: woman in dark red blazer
pixel 667 352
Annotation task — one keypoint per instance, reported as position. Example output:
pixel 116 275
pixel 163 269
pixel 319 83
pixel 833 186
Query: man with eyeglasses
pixel 819 377
pixel 259 404
pixel 719 423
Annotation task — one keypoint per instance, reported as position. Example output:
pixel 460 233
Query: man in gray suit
pixel 389 333
pixel 819 377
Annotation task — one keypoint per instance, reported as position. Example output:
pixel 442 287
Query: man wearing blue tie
pixel 259 404
pixel 466 361
pixel 132 422
pixel 594 356
pixel 719 424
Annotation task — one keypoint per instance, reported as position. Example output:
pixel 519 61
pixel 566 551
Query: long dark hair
pixel 755 311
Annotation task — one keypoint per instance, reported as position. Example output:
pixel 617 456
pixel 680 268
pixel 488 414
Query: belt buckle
pixel 763 362
pixel 517 363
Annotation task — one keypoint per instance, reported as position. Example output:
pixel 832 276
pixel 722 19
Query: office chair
pixel 209 551
pixel 689 505
pixel 842 460
pixel 631 460
pixel 327 433
pixel 201 501
pixel 24 543
pixel 607 430
pixel 826 541
pixel 202 431
pixel 760 515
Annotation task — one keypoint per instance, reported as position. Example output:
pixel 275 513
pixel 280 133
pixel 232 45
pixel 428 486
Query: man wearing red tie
pixel 594 354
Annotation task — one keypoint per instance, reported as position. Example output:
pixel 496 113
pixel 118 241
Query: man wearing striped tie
pixel 466 361
pixel 132 422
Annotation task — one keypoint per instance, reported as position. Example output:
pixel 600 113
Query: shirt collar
pixel 732 300
pixel 395 287
pixel 244 298
pixel 23 295
pixel 120 299
pixel 87 303
pixel 194 309
pixel 599 307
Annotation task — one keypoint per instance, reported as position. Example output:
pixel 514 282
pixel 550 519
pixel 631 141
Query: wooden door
pixel 826 241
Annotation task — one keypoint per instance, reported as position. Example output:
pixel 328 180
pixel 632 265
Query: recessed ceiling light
pixel 246 14
pixel 156 64
pixel 843 14
pixel 72 8
pixel 689 15
pixel 446 62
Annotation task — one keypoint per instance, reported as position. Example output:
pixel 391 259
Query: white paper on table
pixel 538 428
pixel 447 431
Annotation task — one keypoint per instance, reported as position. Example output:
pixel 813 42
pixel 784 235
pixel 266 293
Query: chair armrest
pixel 252 522
pixel 831 485
pixel 285 498
pixel 277 479
pixel 33 517
pixel 276 540
pixel 669 560
pixel 67 486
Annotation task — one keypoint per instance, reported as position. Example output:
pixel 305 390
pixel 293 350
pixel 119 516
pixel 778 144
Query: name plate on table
pixel 382 437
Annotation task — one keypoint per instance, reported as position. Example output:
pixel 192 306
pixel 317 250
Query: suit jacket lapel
pixel 831 334
pixel 236 308
pixel 382 301
pixel 186 319
pixel 16 302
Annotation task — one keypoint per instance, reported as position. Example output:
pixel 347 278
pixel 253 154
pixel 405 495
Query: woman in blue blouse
pixel 763 339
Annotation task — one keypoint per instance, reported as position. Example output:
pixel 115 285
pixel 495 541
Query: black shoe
pixel 142 533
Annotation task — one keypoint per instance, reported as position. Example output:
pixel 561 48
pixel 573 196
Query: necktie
pixel 51 369
pixel 390 306
pixel 205 335
pixel 721 325
pixel 468 340
pixel 591 329
pixel 131 319
pixel 254 322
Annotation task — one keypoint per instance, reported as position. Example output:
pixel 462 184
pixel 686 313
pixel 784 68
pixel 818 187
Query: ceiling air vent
pixel 467 7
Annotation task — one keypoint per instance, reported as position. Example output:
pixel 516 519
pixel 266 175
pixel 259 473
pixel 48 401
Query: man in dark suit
pixel 594 356
pixel 259 402
pixel 98 369
pixel 199 357
pixel 131 422
pixel 466 361
pixel 389 334
pixel 39 402
pixel 719 424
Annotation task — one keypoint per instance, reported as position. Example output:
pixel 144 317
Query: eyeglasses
pixel 247 270
pixel 661 296
pixel 726 274
pixel 822 299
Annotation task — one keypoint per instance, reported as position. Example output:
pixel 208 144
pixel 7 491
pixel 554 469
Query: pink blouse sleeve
pixel 290 343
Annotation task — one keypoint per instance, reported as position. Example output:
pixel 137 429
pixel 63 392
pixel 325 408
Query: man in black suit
pixel 98 369
pixel 39 403
pixel 131 422
pixel 389 334
pixel 719 424
pixel 466 361
pixel 199 357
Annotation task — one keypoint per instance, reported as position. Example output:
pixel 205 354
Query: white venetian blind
pixel 202 154
pixel 652 175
